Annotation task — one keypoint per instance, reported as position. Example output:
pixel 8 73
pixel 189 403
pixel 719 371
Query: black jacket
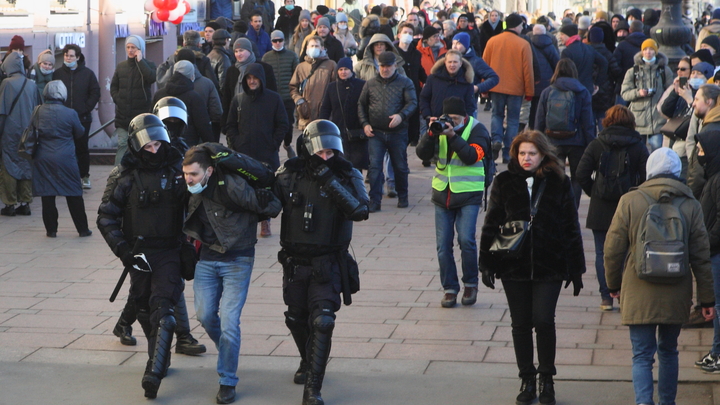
pixel 555 249
pixel 130 89
pixel 342 99
pixel 413 65
pixel 381 98
pixel 257 121
pixel 220 59
pixel 287 21
pixel 233 74
pixel 487 32
pixel 198 127
pixel 710 197
pixel 587 60
pixel 547 58
pixel 627 49
pixel 83 89
pixel 605 97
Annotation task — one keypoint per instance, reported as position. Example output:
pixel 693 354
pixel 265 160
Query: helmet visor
pixel 318 143
pixel 142 137
pixel 168 111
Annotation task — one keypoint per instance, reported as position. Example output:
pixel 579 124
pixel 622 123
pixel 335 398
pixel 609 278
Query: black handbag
pixel 677 127
pixel 508 243
pixel 29 140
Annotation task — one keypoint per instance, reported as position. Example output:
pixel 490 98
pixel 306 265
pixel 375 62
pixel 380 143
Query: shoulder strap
pixel 540 192
pixel 12 106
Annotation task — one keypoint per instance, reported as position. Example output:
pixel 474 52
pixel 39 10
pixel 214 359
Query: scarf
pixel 494 25
pixel 241 66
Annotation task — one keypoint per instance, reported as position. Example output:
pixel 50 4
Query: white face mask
pixel 198 187
pixel 342 26
pixel 696 82
pixel 406 38
pixel 313 52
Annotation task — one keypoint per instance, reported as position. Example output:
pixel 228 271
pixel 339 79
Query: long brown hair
pixel 565 68
pixel 550 163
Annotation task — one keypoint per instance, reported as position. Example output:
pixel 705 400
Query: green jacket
pixel 283 63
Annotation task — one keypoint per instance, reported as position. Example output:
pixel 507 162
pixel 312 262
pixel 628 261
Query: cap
pixel 221 34
pixel 386 58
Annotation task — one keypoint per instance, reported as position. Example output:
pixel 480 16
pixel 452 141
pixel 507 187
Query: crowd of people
pixel 594 93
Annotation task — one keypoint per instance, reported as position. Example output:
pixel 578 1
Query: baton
pixel 345 280
pixel 126 270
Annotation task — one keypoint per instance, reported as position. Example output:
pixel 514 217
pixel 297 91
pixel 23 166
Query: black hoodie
pixel 199 128
pixel 710 197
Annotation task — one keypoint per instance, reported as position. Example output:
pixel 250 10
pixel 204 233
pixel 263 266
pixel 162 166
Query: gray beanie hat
pixel 243 43
pixel 186 68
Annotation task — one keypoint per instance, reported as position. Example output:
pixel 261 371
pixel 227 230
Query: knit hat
pixel 705 68
pixel 323 21
pixel 663 161
pixel 341 17
pixel 716 14
pixel 622 25
pixel 322 9
pixel 186 68
pixel 513 20
pixel 566 21
pixel 454 105
pixel 596 35
pixel 132 39
pixel 213 25
pixel 377 10
pixel 704 55
pixel 636 13
pixel 429 31
pixel 46 57
pixel 570 30
pixel 304 15
pixel 713 41
pixel 185 54
pixel 463 38
pixel 386 58
pixel 345 63
pixel 584 22
pixel 601 15
pixel 17 42
pixel 277 34
pixel 649 43
pixel 542 20
pixel 243 43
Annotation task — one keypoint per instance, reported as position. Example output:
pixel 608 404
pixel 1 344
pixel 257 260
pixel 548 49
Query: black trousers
pixel 532 305
pixel 82 152
pixel 76 205
pixel 290 110
pixel 573 155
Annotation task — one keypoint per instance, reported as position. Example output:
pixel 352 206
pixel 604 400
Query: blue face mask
pixel 650 60
pixel 198 187
pixel 289 7
pixel 71 65
pixel 696 82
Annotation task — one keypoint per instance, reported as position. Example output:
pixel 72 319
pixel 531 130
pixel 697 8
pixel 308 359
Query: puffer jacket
pixel 283 64
pixel 555 242
pixel 710 197
pixel 644 302
pixel 220 59
pixel 585 121
pixel 324 73
pixel 440 85
pixel 365 69
pixel 82 87
pixel 198 126
pixel 381 98
pixel 647 118
pixel 130 89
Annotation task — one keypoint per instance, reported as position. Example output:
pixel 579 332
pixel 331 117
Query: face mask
pixel 313 52
pixel 649 60
pixel 342 26
pixel 46 72
pixel 438 44
pixel 696 82
pixel 71 65
pixel 153 160
pixel 702 160
pixel 620 39
pixel 457 127
pixel 406 38
pixel 289 7
pixel 198 188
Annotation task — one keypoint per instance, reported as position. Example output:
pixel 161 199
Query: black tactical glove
pixel 488 279
pixel 264 197
pixel 124 253
pixel 576 280
pixel 322 174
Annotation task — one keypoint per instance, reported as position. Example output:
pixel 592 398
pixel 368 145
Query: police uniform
pixel 321 199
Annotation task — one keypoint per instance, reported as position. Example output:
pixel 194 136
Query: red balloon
pixel 162 14
pixel 178 21
pixel 171 4
pixel 159 4
pixel 187 6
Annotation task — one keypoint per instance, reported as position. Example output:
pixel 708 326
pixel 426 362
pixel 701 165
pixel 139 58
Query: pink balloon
pixel 177 21
pixel 150 6
pixel 176 13
pixel 155 17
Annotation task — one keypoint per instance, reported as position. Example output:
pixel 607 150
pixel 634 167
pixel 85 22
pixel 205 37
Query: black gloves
pixel 322 174
pixel 264 196
pixel 488 279
pixel 577 283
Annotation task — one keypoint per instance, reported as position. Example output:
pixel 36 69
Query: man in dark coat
pixel 452 76
pixel 463 26
pixel 333 46
pixel 605 96
pixel 207 90
pixel 191 41
pixel 257 34
pixel 266 9
pixel 626 51
pixel 181 86
pixel 485 78
pixel 220 56
pixel 83 96
pixel 585 57
pixel 547 56
pixel 413 70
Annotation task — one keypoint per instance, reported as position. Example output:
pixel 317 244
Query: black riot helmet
pixel 146 128
pixel 173 113
pixel 322 134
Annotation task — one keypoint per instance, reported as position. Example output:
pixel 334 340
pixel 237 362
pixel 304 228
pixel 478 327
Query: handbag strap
pixel 12 106
pixel 534 208
pixel 341 102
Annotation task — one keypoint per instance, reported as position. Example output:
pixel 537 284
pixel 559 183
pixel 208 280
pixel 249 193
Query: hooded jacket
pixel 198 127
pixel 130 89
pixel 440 86
pixel 649 76
pixel 583 112
pixel 381 98
pixel 257 121
pixel 366 69
pixel 231 80
pixel 83 89
pixel 547 58
pixel 319 72
pixel 710 197
pixel 600 212
pixel 510 56
pixel 587 61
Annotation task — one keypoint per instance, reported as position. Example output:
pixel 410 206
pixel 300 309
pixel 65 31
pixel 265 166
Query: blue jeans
pixel 600 263
pixel 715 262
pixel 654 141
pixel 396 146
pixel 500 134
pixel 644 346
pixel 465 221
pixel 220 292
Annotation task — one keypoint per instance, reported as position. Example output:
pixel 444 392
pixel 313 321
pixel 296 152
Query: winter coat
pixel 711 29
pixel 314 92
pixel 82 87
pixel 198 127
pixel 55 170
pixel 206 89
pixel 644 302
pixel 266 8
pixel 12 124
pixel 340 106
pixel 366 69
pixel 202 62
pixel 220 59
pixel 710 197
pixel 39 78
pixel 381 98
pixel 257 121
pixel 413 66
pixel 485 78
pixel 627 49
pixel 555 249
pixel 487 32
pixel 600 211
pixel 647 118
pixel 605 97
pixel 510 56
pixel 475 43
pixel 584 118
pixel 347 39
pixel 283 64
pixel 262 39
pixel 547 58
pixel 428 147
pixel 287 21
pixel 587 61
pixel 608 35
pixel 130 89
pixel 227 93
pixel 296 45
pixel 440 86
pixel 334 48
pixel 427 57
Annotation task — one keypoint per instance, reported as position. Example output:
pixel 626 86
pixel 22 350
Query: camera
pixel 438 126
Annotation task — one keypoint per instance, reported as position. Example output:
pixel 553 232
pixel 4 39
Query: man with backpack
pixel 656 243
pixel 463 172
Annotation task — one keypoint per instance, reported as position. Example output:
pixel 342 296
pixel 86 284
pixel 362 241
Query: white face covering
pixel 313 52
pixel 406 38
pixel 342 26
pixel 198 187
pixel 696 82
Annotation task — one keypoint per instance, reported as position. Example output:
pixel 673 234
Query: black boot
pixel 318 354
pixel 160 360
pixel 547 389
pixel 186 343
pixel 297 323
pixel 527 391
pixel 123 328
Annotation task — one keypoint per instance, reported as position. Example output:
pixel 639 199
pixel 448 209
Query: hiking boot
pixel 86 183
pixel 374 207
pixel 8 211
pixel 449 300
pixel 265 229
pixel 469 296
pixel 527 391
pixel 225 395
pixel 23 209
pixel 290 151
pixel 187 344
pixel 547 390
pixel 606 304
pixel 707 360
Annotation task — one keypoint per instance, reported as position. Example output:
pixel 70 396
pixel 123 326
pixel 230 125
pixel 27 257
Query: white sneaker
pixel 707 360
pixel 86 183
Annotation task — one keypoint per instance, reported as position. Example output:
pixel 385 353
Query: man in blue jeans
pixel 226 224
pixel 458 188
pixel 386 103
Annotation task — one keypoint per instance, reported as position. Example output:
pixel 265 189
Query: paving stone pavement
pixel 55 316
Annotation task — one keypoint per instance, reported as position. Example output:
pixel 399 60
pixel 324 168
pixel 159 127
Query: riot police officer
pixel 322 194
pixel 140 217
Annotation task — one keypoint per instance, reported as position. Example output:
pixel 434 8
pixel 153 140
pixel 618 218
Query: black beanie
pixel 569 30
pixel 513 20
pixel 713 41
pixel 429 31
pixel 454 105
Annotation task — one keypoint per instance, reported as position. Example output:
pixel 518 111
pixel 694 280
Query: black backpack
pixel 560 119
pixel 612 178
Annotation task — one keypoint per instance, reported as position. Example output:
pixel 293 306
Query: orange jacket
pixel 428 60
pixel 510 56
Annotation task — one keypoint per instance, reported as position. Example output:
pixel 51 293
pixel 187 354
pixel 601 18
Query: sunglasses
pixel 277 40
pixel 683 69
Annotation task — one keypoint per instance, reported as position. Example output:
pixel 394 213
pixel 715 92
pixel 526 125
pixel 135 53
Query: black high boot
pixel 527 391
pixel 123 327
pixel 300 332
pixel 547 389
pixel 160 360
pixel 318 354
pixel 186 343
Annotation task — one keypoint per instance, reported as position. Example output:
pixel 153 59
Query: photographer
pixel 461 143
